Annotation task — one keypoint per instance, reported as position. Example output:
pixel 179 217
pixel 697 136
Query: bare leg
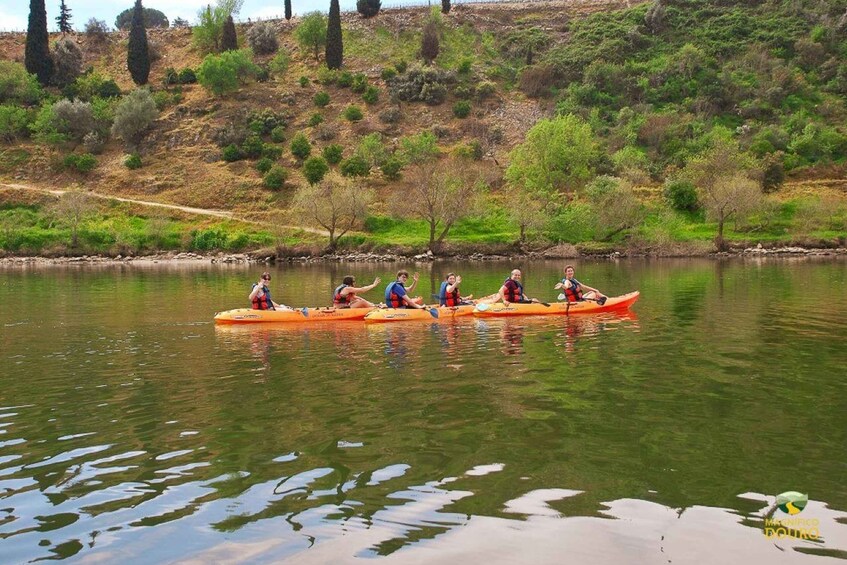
pixel 361 303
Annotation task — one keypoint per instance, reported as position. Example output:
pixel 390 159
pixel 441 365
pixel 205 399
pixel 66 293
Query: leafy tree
pixel 134 116
pixel 334 45
pixel 419 149
pixel 180 22
pixel 528 213
pixel 64 18
pixel 336 204
pixel 368 8
pixel 71 210
pixel 13 123
pixel 67 61
pixel 445 6
pixel 311 33
pixel 152 18
pixel 314 169
pixel 96 31
pixel 208 32
pixel 615 206
pixel 37 52
pixel 229 38
pixel 138 54
pixel 261 38
pixel 222 74
pixel 300 146
pixel 17 85
pixel 287 10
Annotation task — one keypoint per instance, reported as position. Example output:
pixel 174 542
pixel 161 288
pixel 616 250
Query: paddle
pixel 432 312
pixel 305 312
pixel 600 301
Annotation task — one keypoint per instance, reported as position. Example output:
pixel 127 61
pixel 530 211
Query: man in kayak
pixel 345 295
pixel 576 291
pixel 512 291
pixel 396 293
pixel 449 295
pixel 260 295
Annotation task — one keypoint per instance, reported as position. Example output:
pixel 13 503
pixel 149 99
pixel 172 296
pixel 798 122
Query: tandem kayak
pixel 382 315
pixel 612 304
pixel 248 315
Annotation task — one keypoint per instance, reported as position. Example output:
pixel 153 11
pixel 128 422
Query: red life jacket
pixel 262 300
pixel 392 299
pixel 514 291
pixel 340 301
pixel 449 298
pixel 574 293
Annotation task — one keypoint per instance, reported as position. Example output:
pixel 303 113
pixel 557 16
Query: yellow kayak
pixel 249 316
pixel 612 304
pixel 381 315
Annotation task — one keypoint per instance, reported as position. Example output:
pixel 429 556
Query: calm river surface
pixel 132 429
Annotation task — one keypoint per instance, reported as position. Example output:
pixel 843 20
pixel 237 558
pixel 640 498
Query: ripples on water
pixel 158 438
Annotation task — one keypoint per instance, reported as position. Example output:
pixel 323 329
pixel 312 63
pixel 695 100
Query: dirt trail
pixel 189 209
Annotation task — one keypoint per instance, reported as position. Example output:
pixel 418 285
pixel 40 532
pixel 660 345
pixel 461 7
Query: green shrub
pixel 461 109
pixel 359 84
pixel 682 195
pixel 300 146
pixel 401 66
pixel 264 121
pixel 171 77
pixel 279 64
pixel 83 163
pixel 464 66
pixel 278 134
pixel 388 73
pixel 304 81
pixel 262 38
pixel 371 95
pixel 133 161
pixel 275 178
pixel 315 119
pixel 345 79
pixel 355 166
pixel 252 147
pixel 327 76
pixel 321 99
pixel 485 89
pixel 391 167
pixel 222 74
pixel 207 240
pixel 333 153
pixel 273 152
pixel 231 153
pixel 264 165
pixel 353 113
pixel 14 122
pixel 314 169
pixel 187 76
pixel 17 85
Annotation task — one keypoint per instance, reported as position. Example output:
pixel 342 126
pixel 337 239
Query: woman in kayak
pixel 346 295
pixel 448 294
pixel 576 291
pixel 260 295
pixel 396 293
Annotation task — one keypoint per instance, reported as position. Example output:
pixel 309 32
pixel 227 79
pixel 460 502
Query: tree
pixel 67 62
pixel 152 18
pixel 445 8
pixel 229 39
pixel 222 74
pixel 206 35
pixel 528 213
pixel 311 33
pixel 334 45
pixel 134 115
pixel 558 155
pixel 64 18
pixel 336 204
pixel 71 210
pixel 37 52
pixel 138 51
pixel 287 10
pixel 726 179
pixel 368 8
pixel 429 42
pixel 615 206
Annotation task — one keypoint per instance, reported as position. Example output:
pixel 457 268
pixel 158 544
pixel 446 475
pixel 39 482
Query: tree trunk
pixel 719 241
pixel 431 235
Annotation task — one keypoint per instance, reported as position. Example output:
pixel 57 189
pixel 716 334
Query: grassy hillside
pixel 657 83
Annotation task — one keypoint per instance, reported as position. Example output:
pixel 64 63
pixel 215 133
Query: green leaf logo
pixel 792 502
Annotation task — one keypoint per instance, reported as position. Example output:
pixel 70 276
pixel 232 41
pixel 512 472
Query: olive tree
pixel 336 204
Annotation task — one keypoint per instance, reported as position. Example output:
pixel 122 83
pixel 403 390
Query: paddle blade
pixel 561 297
pixel 482 307
pixel 545 304
pixel 305 312
pixel 433 312
pixel 601 300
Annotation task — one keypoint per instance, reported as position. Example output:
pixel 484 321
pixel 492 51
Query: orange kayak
pixel 381 315
pixel 615 303
pixel 250 316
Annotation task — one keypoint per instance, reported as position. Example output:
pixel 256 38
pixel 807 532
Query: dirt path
pixel 189 209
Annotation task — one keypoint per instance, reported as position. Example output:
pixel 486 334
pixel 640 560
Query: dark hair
pixel 449 275
pixel 401 273
pixel 266 275
pixel 569 267
pixel 348 280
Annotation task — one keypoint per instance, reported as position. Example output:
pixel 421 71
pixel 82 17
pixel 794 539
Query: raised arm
pixel 359 290
pixel 412 286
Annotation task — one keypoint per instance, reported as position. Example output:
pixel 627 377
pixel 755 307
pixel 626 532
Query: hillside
pixel 653 89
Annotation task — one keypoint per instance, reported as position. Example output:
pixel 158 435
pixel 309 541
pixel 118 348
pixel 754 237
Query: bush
pixel 325 132
pixel 371 95
pixel 391 167
pixel 304 81
pixel 18 86
pixel 231 153
pixel 73 118
pixel 275 178
pixel 535 81
pixel 368 8
pixel 264 121
pixel 345 79
pixel 315 119
pixel 278 134
pixel 353 113
pixel 321 99
pixel 94 142
pixel 359 84
pixel 96 31
pixel 132 161
pixel 222 74
pixel 300 146
pixel 279 64
pixel 682 195
pixel 91 85
pixel 187 76
pixel 264 165
pixel 262 38
pixel 464 66
pixel 401 66
pixel 485 89
pixel 390 115
pixel 171 77
pixel 422 85
pixel 252 147
pixel 67 62
pixel 461 109
pixel 332 153
pixel 83 163
pixel 134 115
pixel 272 152
pixel 14 122
pixel 388 73
pixel 311 33
pixel 355 166
pixel 314 169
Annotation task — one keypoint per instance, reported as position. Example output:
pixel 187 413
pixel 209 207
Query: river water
pixel 134 429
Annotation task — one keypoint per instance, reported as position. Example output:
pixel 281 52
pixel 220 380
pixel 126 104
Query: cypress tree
pixel 287 9
pixel 430 45
pixel 334 46
pixel 37 55
pixel 138 55
pixel 229 40
pixel 445 6
pixel 64 18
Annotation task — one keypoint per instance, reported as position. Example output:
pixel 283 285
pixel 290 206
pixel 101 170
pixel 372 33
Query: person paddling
pixel 575 291
pixel 512 290
pixel 396 293
pixel 346 295
pixel 260 295
pixel 448 294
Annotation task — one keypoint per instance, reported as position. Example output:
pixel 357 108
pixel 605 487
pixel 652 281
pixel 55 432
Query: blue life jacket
pixel 392 299
pixel 449 299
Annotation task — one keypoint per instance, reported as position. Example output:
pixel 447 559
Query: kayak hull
pixel 250 316
pixel 384 315
pixel 613 304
